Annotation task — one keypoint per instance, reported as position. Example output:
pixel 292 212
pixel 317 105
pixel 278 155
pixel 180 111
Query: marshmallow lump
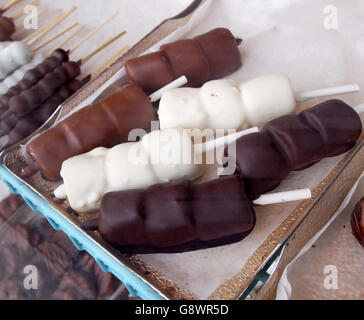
pixel 227 104
pixel 160 157
pixel 13 56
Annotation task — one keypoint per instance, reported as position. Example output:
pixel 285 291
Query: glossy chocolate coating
pixel 102 124
pixel 8 123
pixel 33 97
pixel 186 247
pixel 207 57
pixel 259 163
pixel 32 76
pixel 357 221
pixel 7 28
pixel 25 126
pixel 222 52
pixel 177 217
pixel 294 142
pixel 339 126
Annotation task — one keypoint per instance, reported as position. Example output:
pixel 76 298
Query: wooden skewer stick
pixel 59 19
pixel 61 44
pixel 110 61
pixel 42 11
pixel 21 12
pixel 92 32
pixel 59 34
pixel 33 34
pixel 103 46
pixel 10 4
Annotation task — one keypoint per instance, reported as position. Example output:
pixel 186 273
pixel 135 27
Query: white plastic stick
pixel 257 33
pixel 281 197
pixel 307 95
pixel 360 108
pixel 224 141
pixel 173 85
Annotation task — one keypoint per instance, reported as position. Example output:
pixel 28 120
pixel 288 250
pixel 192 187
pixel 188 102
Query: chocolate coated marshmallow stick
pixel 102 124
pixel 177 217
pixel 295 142
pixel 210 56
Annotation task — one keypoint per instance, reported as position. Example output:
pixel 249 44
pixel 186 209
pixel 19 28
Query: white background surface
pixel 312 56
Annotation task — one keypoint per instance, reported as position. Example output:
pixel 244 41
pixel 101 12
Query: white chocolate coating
pixel 12 57
pixel 13 79
pixel 4 44
pixel 266 98
pixel 226 104
pixel 160 157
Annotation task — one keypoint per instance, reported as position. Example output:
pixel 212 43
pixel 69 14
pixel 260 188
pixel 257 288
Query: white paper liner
pixel 284 289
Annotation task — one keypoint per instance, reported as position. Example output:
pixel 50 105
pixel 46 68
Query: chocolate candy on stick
pixel 34 120
pixel 33 76
pixel 105 123
pixel 45 88
pixel 326 130
pixel 7 28
pixel 87 177
pixel 39 115
pixel 210 56
pixel 177 217
pixel 13 79
pixel 48 65
pixel 295 142
pixel 260 164
pixel 227 104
